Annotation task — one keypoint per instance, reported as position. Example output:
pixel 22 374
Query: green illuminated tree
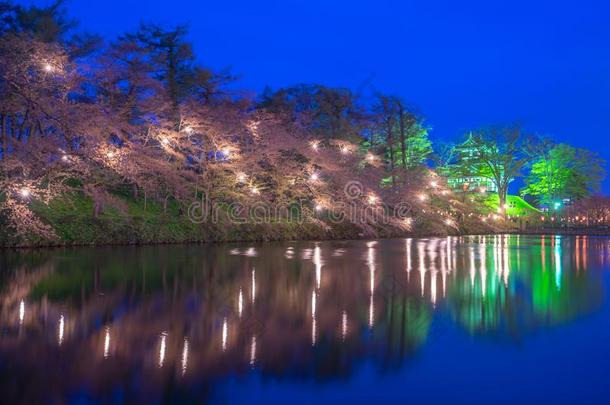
pixel 499 157
pixel 562 171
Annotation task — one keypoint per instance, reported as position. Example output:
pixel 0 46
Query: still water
pixel 469 319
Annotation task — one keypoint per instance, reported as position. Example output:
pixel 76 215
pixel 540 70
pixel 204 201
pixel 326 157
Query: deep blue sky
pixel 463 64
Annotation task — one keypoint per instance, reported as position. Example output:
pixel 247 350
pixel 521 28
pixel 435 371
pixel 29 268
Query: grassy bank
pixel 130 220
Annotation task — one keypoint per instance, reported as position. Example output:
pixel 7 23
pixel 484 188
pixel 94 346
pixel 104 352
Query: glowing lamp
pixel 188 129
pixel 164 141
pixel 314 177
pixel 47 67
pixel 422 197
pixel 315 145
pixel 433 184
pixel 318 207
pixel 25 193
pixel 344 150
pixel 241 177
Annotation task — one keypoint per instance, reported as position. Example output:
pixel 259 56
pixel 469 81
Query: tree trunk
pixel 96 207
pixel 165 203
pixel 14 127
pixel 403 146
pixel 3 136
pixel 502 191
pixel 391 147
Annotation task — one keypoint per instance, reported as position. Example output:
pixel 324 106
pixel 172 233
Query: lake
pixel 464 319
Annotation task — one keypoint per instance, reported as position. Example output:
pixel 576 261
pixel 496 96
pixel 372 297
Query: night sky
pixel 462 64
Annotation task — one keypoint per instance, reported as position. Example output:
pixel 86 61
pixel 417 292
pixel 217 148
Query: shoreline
pixel 218 242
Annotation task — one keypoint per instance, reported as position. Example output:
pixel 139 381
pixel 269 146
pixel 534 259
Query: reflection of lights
pixel 370 157
pixel 408 243
pixel 225 334
pixel 185 356
pixel 60 333
pixel 473 270
pixel 164 141
pixel 433 184
pixel 317 261
pixel 65 158
pixel 483 269
pixel 506 264
pixel 371 312
pixel 162 349
pixel 558 262
pixel 240 302
pixel 448 246
pixel 253 285
pixel 371 265
pixel 343 325
pixel 372 199
pixel 254 190
pixel 433 274
pixel 21 312
pixel 47 67
pixel 318 207
pixel 313 318
pixel 241 177
pixel 422 197
pixel 188 129
pixel 110 155
pixel 25 192
pixel 315 145
pixel 314 176
pixel 422 266
pixel 253 351
pixel 107 342
pixel 344 150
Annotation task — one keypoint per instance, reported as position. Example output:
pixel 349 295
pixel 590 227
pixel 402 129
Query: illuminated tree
pixel 498 156
pixel 562 171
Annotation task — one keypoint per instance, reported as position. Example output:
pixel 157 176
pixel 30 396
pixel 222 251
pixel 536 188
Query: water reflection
pixel 159 313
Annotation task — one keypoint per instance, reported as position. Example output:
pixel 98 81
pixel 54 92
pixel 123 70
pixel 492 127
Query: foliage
pixel 562 171
pixel 498 156
pixel 331 113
